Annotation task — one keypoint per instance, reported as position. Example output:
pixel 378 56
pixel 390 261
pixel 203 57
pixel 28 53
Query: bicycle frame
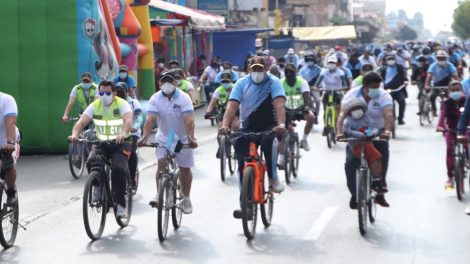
pixel 330 108
pixel 256 162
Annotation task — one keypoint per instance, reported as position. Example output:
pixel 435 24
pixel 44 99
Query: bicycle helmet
pixel 178 73
pixel 121 86
pixel 352 103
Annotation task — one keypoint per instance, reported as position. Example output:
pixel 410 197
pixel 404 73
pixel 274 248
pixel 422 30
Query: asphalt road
pixel 312 221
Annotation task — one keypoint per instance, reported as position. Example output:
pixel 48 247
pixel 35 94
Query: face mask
pixel 168 88
pixel 442 63
pixel 310 63
pixel 106 99
pixel 331 66
pixel 179 82
pixel 122 75
pixel 86 86
pixel 161 65
pixel 227 86
pixel 257 77
pixel 427 56
pixel 373 93
pixel 455 95
pixel 391 62
pixel 121 94
pixel 357 114
pixel 291 55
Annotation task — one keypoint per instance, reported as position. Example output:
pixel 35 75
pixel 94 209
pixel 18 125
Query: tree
pixel 461 24
pixel 407 33
pixel 417 22
pixel 402 15
pixel 338 20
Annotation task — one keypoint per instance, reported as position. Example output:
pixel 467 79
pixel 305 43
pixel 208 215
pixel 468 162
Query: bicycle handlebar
pixel 362 140
pixel 156 145
pixel 251 135
pixel 397 89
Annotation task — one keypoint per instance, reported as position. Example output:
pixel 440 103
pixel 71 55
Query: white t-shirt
pixel 125 108
pixel 136 106
pixel 7 108
pixel 211 73
pixel 370 60
pixel 332 80
pixel 170 114
pixel 375 106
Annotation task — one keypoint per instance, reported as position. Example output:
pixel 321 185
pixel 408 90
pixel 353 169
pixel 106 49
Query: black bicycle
pixel 460 169
pixel 97 195
pixel 78 153
pixel 170 195
pixel 227 157
pixel 291 145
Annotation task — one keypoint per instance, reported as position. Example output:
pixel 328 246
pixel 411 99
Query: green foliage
pixel 461 24
pixel 407 33
pixel 338 20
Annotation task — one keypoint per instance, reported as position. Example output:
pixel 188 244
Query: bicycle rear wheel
pixel 76 160
pixel 176 212
pixel 459 178
pixel 232 159
pixel 249 207
pixel 223 158
pixel 295 153
pixel 362 200
pixel 267 208
pixel 328 128
pixel 430 116
pixel 422 110
pixel 94 211
pixel 123 222
pixel 8 219
pixel 287 160
pixel 164 197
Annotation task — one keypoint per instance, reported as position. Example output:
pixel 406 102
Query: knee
pixel 310 117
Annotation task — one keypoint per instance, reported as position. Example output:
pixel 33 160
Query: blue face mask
pixel 227 86
pixel 373 93
pixel 455 95
pixel 86 86
pixel 122 75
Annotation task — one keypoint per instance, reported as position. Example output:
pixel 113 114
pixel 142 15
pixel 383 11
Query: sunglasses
pixel 107 93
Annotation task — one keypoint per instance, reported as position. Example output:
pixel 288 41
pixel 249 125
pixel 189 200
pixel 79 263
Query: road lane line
pixel 317 228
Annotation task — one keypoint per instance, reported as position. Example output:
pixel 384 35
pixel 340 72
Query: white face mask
pixel 161 65
pixel 331 66
pixel 179 82
pixel 106 99
pixel 357 114
pixel 442 63
pixel 391 62
pixel 258 77
pixel 310 63
pixel 168 88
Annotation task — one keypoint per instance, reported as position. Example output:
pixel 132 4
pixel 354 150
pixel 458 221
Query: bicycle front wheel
pixel 232 159
pixel 176 212
pixel 459 178
pixel 287 160
pixel 76 160
pixel 362 200
pixel 328 128
pixel 94 208
pixel 422 110
pixel 223 157
pixel 295 154
pixel 249 207
pixel 164 197
pixel 267 208
pixel 123 222
pixel 430 116
pixel 8 221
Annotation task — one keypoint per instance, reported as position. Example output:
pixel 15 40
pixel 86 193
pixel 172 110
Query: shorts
pixel 372 154
pixel 184 159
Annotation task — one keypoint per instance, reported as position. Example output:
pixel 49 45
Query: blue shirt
pixel 430 60
pixel 310 73
pixel 347 73
pixel 235 76
pixel 357 66
pixel 390 73
pixel 253 100
pixel 466 87
pixel 439 73
pixel 294 59
pixel 130 81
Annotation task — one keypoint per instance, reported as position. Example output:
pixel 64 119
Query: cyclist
pixel 261 99
pixel 291 57
pixel 403 58
pixel 380 112
pixel 466 85
pixel 448 118
pixel 364 70
pixel 311 74
pixel 84 93
pixel 394 76
pixel 173 111
pixel 112 117
pixel 9 138
pixel 123 92
pixel 354 65
pixel 440 73
pixel 368 58
pixel 333 80
pixel 227 67
pixel 298 95
pixel 129 80
pixel 347 73
pixel 209 77
pixel 420 73
pixel 184 85
pixel 426 54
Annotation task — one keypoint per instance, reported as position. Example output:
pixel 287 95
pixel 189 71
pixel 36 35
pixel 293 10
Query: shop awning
pixel 323 33
pixel 197 18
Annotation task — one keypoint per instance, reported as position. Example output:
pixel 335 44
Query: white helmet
pixel 354 102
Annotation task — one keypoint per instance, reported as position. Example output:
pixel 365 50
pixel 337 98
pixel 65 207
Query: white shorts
pixel 184 159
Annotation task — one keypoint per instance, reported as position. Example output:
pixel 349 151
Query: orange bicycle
pixel 255 188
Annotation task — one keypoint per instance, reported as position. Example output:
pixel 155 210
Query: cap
pixel 454 82
pixel 121 85
pixel 167 76
pixel 257 61
pixel 441 53
pixel 86 75
pixel 290 51
pixel 352 103
pixel 332 59
pixel 226 76
pixel 123 68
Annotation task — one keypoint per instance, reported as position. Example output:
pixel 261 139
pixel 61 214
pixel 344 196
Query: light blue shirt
pixel 347 73
pixel 466 87
pixel 294 59
pixel 439 73
pixel 309 73
pixel 235 76
pixel 390 73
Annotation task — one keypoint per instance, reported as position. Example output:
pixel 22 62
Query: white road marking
pixel 317 228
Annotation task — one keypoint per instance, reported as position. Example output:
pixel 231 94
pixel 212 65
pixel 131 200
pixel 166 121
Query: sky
pixel 437 13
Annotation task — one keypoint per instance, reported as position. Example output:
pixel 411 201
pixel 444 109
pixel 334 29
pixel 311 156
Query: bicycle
pixel 95 210
pixel 170 195
pixel 226 155
pixel 291 145
pixel 460 170
pixel 330 117
pixel 77 154
pixel 367 207
pixel 425 109
pixel 254 190
pixel 9 215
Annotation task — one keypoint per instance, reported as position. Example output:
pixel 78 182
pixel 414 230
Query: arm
pixel 388 116
pixel 189 124
pixel 80 125
pixel 464 117
pixel 127 117
pixel 68 108
pixel 340 123
pixel 278 104
pixel 306 97
pixel 350 132
pixel 212 105
pixel 428 80
pixel 230 112
pixel 148 127
pixel 203 77
pixel 10 124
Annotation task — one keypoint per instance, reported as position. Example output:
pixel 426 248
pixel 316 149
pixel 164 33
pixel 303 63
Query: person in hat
pixel 184 85
pixel 440 73
pixel 261 100
pixel 126 78
pixel 357 125
pixel 291 57
pixel 173 111
pixel 227 68
pixel 84 93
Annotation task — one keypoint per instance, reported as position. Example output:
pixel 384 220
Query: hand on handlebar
pixel 280 130
pixel 440 129
pixel 224 130
pixel 462 139
pixel 192 143
pixel 72 138
pixel 385 135
pixel 142 141
pixel 208 116
pixel 65 119
pixel 340 137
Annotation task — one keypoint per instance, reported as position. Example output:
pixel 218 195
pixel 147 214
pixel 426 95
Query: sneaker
pixel 187 207
pixel 95 194
pixel 401 122
pixel 280 164
pixel 380 200
pixel 237 214
pixel 353 203
pixel 449 185
pixel 304 145
pixel 377 185
pixel 121 211
pixel 154 203
pixel 11 198
pixel 467 210
pixel 277 186
pixel 315 121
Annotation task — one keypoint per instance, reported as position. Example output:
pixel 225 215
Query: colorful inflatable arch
pixel 45 47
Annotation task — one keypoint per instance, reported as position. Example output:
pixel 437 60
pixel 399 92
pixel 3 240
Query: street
pixel 312 221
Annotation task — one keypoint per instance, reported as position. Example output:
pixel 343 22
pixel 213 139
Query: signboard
pixel 220 5
pixel 177 2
